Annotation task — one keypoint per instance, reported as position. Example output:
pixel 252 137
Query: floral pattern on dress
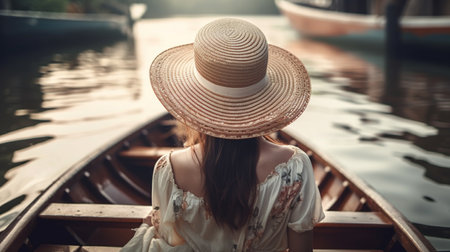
pixel 162 162
pixel 155 217
pixel 289 194
pixel 180 204
pixel 255 230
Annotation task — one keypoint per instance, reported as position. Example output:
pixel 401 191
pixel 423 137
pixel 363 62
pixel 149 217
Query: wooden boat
pixel 22 29
pixel 431 32
pixel 96 203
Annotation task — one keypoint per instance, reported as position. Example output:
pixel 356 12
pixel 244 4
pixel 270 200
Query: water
pixel 59 106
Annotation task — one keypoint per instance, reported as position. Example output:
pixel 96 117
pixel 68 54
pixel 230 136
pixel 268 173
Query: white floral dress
pixel 287 198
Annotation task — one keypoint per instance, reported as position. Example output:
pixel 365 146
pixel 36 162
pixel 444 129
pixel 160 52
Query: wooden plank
pixel 99 249
pixel 348 250
pixel 349 219
pixel 352 203
pixel 144 156
pixel 124 176
pixel 353 230
pixel 147 152
pixel 339 230
pixel 57 248
pixel 75 248
pixel 135 213
pixel 95 212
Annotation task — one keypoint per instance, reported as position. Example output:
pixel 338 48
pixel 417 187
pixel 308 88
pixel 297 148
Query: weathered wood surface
pixel 143 155
pixel 134 214
pixel 96 212
pixel 73 248
pixel 338 229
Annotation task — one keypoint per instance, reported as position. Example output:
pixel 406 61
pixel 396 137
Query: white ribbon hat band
pixel 235 92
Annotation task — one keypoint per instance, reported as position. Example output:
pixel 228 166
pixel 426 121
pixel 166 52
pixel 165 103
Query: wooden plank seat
pixel 363 230
pixel 336 231
pixel 74 248
pixel 57 248
pixel 143 155
pixel 114 215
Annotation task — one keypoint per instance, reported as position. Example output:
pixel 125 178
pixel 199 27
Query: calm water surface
pixel 389 127
pixel 57 106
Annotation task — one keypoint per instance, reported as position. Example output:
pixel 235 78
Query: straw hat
pixel 230 83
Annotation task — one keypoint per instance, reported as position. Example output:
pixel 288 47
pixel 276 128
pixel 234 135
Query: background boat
pixel 21 30
pixel 99 200
pixel 427 34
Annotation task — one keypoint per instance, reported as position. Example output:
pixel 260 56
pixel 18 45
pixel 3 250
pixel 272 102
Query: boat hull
pixel 417 32
pixel 85 206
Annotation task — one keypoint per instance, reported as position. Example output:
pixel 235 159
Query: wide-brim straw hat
pixel 230 83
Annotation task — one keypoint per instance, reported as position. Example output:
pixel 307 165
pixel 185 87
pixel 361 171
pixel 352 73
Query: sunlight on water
pixel 86 99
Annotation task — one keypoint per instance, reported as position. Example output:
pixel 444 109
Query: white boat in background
pixel 317 19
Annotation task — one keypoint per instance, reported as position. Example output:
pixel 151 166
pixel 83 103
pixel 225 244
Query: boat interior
pixel 99 203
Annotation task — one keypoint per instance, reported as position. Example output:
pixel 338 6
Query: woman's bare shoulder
pixel 277 152
pixel 180 157
pixel 271 155
pixel 186 170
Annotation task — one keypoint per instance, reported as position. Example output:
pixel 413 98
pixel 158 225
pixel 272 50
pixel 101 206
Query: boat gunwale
pixel 330 15
pixel 10 237
pixel 370 20
pixel 412 238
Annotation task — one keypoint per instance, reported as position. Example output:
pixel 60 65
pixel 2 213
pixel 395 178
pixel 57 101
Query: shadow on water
pixel 5 207
pixel 439 174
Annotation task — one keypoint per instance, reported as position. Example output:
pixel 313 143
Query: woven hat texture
pixel 230 83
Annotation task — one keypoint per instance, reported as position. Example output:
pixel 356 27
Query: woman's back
pixel 189 177
pixel 285 198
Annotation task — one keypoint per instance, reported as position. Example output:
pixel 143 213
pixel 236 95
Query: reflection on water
pixel 19 94
pixel 387 121
pixel 58 106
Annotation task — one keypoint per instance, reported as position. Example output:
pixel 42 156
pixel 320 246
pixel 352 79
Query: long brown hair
pixel 229 170
pixel 229 167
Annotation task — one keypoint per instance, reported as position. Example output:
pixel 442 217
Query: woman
pixel 232 189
